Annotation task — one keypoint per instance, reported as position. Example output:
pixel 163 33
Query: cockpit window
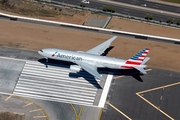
pixel 41 50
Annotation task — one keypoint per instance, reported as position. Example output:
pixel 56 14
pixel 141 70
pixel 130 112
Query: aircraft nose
pixel 40 52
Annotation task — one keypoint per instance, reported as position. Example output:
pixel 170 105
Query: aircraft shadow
pixel 88 77
pixel 52 62
pixel 65 64
pixel 107 51
pixel 118 72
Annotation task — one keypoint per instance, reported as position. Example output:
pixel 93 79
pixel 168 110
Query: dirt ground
pixel 143 28
pixel 75 17
pixel 34 37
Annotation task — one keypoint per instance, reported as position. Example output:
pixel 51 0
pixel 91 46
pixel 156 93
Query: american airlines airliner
pixel 92 59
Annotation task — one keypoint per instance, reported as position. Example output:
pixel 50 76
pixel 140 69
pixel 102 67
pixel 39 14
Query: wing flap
pixel 98 50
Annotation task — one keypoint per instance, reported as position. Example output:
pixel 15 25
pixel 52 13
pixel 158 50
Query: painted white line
pixel 79 79
pixel 41 83
pixel 46 65
pixel 54 95
pixel 60 78
pixel 73 91
pixel 60 88
pixel 105 91
pixel 55 85
pixel 53 99
pixel 54 69
pixel 50 91
pixel 27 66
pixel 45 72
pixel 42 71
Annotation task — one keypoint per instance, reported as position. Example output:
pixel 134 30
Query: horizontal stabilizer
pixel 141 69
pixel 145 60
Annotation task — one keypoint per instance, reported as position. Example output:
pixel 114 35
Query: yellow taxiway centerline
pixel 119 111
pixel 80 112
pixel 124 75
pixel 159 87
pixel 77 116
pixel 100 114
pixel 154 106
pixel 162 87
pixel 74 110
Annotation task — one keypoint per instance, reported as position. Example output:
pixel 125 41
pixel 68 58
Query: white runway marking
pixel 105 91
pixel 53 83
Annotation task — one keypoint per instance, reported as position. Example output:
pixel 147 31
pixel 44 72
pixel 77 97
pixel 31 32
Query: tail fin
pixel 138 58
pixel 138 61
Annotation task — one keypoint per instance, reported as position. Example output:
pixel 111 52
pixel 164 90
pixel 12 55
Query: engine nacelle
pixel 75 68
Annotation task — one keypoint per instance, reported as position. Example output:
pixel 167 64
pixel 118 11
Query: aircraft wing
pixel 98 50
pixel 91 70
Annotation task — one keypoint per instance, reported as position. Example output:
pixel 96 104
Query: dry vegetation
pixel 11 116
pixel 35 8
pixel 47 11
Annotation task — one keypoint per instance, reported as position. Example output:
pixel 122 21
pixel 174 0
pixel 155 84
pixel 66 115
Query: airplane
pixel 91 60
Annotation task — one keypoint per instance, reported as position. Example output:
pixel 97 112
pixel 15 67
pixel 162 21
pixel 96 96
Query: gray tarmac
pixel 157 103
pixel 163 86
pixel 14 69
pixel 125 93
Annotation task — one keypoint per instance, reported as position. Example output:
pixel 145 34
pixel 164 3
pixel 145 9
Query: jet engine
pixel 75 68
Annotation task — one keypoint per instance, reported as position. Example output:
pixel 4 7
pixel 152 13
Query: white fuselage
pixel 73 56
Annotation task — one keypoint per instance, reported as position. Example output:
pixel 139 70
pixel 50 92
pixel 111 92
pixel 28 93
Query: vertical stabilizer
pixel 138 61
pixel 138 58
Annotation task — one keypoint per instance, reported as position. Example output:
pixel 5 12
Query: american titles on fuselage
pixel 70 57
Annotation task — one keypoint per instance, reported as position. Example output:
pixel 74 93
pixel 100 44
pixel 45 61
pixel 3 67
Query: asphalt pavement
pixel 131 95
pixel 132 9
pixel 25 77
pixel 153 5
pixel 153 97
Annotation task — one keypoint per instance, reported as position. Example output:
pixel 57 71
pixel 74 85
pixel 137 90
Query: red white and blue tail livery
pixel 138 61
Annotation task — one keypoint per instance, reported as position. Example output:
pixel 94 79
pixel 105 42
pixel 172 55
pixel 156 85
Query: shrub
pixel 113 9
pixel 170 20
pixel 149 17
pixel 105 8
pixel 109 9
pixel 83 4
pixel 178 23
